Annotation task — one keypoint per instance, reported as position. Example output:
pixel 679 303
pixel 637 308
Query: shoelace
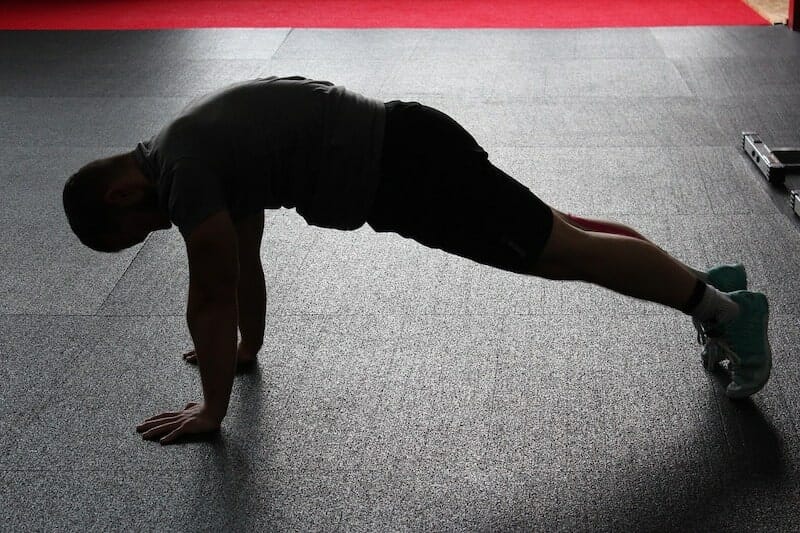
pixel 701 334
pixel 706 331
pixel 724 349
pixel 717 349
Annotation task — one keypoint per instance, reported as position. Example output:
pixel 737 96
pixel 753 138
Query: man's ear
pixel 121 194
pixel 112 195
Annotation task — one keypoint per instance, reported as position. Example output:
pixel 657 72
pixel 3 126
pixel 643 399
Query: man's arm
pixel 212 307
pixel 252 292
pixel 212 317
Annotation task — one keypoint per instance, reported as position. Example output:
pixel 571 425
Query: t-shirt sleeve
pixel 195 194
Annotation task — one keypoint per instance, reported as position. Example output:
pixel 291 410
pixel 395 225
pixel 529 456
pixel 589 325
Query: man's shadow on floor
pixel 734 479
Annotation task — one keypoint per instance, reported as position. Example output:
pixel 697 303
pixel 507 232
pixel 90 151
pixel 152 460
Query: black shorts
pixel 439 188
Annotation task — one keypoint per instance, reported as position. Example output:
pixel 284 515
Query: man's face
pixel 137 220
pixel 128 236
pixel 131 233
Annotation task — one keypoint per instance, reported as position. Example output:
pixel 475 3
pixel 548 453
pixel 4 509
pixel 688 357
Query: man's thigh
pixel 439 188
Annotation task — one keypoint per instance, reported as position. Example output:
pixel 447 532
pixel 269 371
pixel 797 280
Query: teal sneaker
pixel 726 278
pixel 745 343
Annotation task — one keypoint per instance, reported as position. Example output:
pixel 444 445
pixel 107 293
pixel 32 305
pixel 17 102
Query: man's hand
pixel 193 419
pixel 245 357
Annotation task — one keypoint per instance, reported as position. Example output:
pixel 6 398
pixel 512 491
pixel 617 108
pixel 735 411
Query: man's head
pixel 111 205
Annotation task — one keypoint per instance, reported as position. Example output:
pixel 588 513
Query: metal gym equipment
pixel 775 164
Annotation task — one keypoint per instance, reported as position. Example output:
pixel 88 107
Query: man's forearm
pixel 252 306
pixel 212 324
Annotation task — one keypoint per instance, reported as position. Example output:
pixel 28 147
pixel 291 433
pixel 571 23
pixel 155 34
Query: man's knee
pixel 562 257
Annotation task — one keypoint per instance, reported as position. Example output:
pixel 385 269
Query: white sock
pixel 715 307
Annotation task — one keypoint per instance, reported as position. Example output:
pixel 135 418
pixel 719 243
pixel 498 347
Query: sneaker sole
pixel 745 392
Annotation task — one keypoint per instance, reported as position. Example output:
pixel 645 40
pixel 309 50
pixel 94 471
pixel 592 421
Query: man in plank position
pixel 342 159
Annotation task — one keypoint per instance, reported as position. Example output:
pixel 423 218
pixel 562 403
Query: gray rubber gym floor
pixel 400 388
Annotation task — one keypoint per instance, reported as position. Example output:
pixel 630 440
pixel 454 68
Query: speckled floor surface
pixel 401 388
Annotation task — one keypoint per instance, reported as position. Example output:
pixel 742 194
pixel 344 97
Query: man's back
pixel 269 143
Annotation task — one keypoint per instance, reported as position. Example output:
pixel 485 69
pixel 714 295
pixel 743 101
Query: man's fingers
pixel 174 435
pixel 154 423
pixel 167 427
pixel 162 415
pixel 160 430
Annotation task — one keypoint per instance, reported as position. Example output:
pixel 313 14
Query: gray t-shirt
pixel 269 143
